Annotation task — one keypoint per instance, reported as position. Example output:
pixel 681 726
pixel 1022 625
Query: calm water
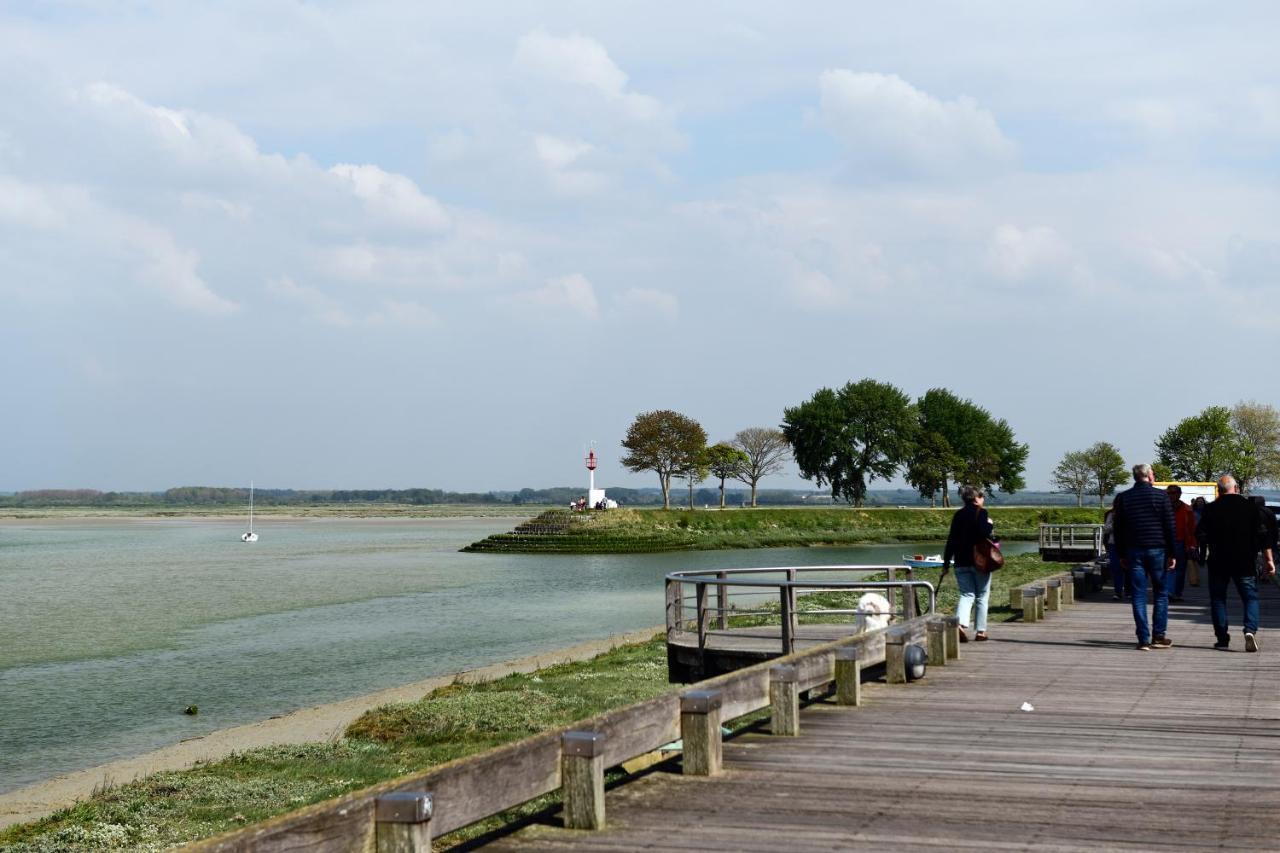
pixel 109 628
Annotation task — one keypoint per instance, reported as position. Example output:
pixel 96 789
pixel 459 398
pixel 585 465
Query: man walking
pixel 1144 536
pixel 1234 530
pixel 1184 540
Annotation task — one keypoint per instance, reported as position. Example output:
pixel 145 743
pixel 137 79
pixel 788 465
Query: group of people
pixel 1153 535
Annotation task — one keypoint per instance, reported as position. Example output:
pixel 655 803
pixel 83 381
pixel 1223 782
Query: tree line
pixel 1243 441
pixel 843 439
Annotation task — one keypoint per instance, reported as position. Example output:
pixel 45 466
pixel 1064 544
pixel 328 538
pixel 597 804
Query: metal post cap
pixel 784 673
pixel 403 807
pixel 701 701
pixel 582 744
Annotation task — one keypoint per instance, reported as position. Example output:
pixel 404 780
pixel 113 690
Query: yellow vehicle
pixel 1190 491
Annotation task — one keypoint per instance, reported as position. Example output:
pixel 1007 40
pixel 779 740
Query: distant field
pixel 640 531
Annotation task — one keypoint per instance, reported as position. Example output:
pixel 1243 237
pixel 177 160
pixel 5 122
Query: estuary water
pixel 110 627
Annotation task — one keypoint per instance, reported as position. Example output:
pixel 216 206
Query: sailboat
pixel 250 536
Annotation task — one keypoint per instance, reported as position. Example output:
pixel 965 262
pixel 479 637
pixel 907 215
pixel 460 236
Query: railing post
pixel 722 602
pixel 784 701
pixel 784 605
pixel 700 732
pixel 848 676
pixel 582 779
pixel 675 609
pixel 703 616
pixel 403 822
pixel 791 599
pixel 908 602
pixel 936 635
pixel 953 636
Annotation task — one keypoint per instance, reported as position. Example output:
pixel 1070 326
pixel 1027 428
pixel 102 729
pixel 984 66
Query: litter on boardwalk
pixel 1027 706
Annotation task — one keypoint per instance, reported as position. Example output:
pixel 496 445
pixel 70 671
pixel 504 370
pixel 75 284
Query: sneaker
pixel 1144 647
pixel 1115 598
pixel 1250 643
pixel 1223 645
pixel 1161 642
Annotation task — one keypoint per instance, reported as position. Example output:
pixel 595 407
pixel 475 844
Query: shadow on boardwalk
pixel 1168 749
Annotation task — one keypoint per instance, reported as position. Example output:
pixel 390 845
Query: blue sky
pixel 393 244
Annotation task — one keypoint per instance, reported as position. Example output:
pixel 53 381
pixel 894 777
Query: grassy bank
pixel 638 531
pixel 461 719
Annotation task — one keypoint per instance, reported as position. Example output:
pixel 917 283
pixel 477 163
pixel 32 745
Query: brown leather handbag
pixel 987 556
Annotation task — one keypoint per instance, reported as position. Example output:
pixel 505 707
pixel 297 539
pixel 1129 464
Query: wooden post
pixel 784 606
pixel 700 732
pixel 791 602
pixel 722 602
pixel 1053 594
pixel 848 676
pixel 937 641
pixel 675 610
pixel 784 701
pixel 895 661
pixel 908 602
pixel 1030 607
pixel 1015 598
pixel 953 636
pixel 403 822
pixel 582 779
pixel 1068 589
pixel 703 616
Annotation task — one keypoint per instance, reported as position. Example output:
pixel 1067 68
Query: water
pixel 109 628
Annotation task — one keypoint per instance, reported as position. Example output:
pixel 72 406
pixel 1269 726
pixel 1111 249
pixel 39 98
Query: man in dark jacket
pixel 1234 530
pixel 1143 528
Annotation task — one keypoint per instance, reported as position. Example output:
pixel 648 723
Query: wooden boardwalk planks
pixel 1176 749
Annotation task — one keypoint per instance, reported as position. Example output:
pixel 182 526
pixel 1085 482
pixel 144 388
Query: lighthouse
pixel 594 495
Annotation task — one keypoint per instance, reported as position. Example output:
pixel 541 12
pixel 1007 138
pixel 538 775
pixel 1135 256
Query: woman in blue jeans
pixel 969 525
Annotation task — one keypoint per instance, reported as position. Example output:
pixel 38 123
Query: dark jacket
pixel 1144 519
pixel 1234 530
pixel 969 525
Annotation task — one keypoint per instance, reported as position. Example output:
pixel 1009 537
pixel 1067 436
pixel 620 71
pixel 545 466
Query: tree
pixel 766 451
pixel 696 471
pixel 725 461
pixel 666 443
pixel 983 450
pixel 1074 474
pixel 844 438
pixel 1259 424
pixel 1162 472
pixel 1205 446
pixel 1107 468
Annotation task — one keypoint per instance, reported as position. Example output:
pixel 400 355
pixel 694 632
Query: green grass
pixel 461 719
pixel 637 531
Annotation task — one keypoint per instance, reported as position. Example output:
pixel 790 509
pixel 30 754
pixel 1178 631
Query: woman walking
pixel 969 525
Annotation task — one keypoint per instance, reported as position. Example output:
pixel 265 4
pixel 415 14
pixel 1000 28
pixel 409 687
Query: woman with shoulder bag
pixel 969 526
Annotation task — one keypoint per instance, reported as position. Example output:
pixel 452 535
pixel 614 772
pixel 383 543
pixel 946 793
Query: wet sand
pixel 319 723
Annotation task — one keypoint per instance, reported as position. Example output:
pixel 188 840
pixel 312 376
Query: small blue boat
pixel 920 561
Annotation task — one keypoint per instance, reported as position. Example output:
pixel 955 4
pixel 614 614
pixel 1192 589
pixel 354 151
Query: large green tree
pixel 1259 424
pixel 1107 468
pixel 725 462
pixel 665 442
pixel 1074 474
pixel 1203 447
pixel 848 437
pixel 766 451
pixel 983 451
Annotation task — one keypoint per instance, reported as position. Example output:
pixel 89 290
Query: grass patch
pixel 636 531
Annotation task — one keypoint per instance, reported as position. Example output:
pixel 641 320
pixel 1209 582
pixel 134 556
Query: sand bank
pixel 321 723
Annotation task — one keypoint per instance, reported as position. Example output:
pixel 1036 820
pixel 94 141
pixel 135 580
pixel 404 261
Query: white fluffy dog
pixel 873 612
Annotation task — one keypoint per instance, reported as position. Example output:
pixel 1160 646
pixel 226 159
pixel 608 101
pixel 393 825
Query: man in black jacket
pixel 1234 529
pixel 1143 529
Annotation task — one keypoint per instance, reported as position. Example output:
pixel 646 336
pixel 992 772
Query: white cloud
pixel 571 59
pixel 644 300
pixel 889 126
pixel 393 196
pixel 1016 254
pixel 315 304
pixel 560 158
pixel 571 293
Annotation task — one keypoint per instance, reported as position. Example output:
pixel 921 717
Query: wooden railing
pixel 1070 542
pixel 404 814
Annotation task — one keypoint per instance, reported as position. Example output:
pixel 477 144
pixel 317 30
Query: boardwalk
pixel 1176 749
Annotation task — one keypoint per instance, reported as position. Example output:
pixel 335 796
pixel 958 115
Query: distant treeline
pixel 214 496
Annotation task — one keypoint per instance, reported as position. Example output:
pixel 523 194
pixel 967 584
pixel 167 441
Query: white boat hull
pixel 248 537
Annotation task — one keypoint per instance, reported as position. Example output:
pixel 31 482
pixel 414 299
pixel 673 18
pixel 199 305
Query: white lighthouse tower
pixel 595 496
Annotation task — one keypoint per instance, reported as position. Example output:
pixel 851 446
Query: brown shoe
pixel 964 638
pixel 980 637
pixel 1161 642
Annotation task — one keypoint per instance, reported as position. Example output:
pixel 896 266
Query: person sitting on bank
pixel 1234 531
pixel 969 525
pixel 1144 534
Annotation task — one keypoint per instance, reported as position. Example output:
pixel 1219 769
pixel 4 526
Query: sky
pixel 395 244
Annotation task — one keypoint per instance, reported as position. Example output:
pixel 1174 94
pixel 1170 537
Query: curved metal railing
pixel 756 590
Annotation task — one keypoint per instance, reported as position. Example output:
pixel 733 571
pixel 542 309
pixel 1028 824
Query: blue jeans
pixel 1247 586
pixel 1144 563
pixel 975 587
pixel 1179 570
pixel 1117 574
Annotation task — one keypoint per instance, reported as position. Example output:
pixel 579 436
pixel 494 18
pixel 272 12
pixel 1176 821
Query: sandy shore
pixel 321 723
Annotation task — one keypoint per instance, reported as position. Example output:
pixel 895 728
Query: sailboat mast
pixel 251 506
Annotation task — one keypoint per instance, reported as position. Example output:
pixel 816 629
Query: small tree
pixel 1074 474
pixel 1205 446
pixel 1259 425
pixel 1107 467
pixel 725 461
pixel 696 472
pixel 665 442
pixel 766 451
